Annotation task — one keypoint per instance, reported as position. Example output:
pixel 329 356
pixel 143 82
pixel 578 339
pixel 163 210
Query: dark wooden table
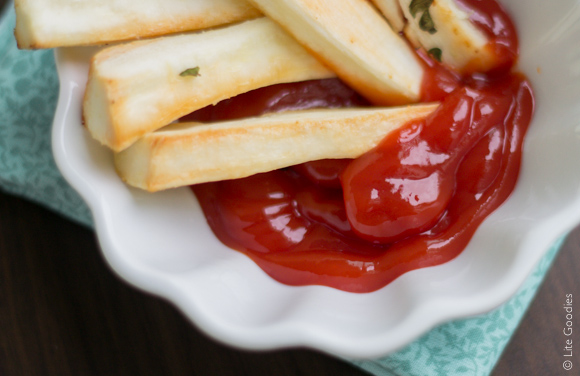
pixel 63 312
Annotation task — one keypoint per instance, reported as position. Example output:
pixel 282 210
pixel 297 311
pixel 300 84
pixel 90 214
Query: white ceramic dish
pixel 162 244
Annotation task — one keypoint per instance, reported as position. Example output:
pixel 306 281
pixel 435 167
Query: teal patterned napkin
pixel 28 95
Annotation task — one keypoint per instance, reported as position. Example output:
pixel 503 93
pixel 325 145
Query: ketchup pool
pixel 412 202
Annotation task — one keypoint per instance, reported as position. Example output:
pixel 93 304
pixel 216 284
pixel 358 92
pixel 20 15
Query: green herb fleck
pixel 426 23
pixel 436 53
pixel 190 72
pixel 418 6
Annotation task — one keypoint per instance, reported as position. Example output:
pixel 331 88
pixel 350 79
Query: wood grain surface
pixel 64 312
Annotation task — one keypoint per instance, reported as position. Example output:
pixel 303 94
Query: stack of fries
pixel 200 52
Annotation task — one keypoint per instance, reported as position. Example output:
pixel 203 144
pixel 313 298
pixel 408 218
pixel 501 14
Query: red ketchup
pixel 412 202
pixel 495 23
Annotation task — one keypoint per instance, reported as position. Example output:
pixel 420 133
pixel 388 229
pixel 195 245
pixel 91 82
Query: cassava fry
pixel 141 86
pixel 190 153
pixel 461 45
pixel 57 23
pixel 356 42
pixel 391 9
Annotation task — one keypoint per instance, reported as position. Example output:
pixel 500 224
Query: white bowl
pixel 162 244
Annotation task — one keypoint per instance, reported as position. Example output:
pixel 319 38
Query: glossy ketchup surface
pixel 413 201
pixel 494 22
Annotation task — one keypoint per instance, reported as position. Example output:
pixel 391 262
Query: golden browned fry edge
pixel 60 23
pixel 138 87
pixel 192 153
pixel 356 42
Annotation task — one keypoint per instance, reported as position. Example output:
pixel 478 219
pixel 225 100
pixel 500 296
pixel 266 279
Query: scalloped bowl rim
pixel 238 293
